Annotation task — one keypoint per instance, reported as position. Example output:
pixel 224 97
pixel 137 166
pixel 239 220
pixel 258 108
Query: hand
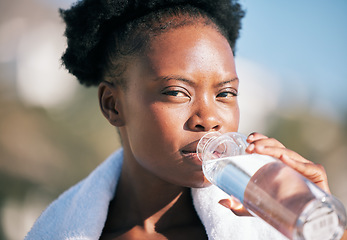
pixel 235 206
pixel 261 144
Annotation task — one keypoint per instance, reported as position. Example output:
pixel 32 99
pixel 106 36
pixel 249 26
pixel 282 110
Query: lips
pixel 190 148
pixel 189 153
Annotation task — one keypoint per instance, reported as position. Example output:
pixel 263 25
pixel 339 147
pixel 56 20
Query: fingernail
pixel 250 147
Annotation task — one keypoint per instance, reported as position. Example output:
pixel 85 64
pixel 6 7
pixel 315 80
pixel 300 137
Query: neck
pixel 143 199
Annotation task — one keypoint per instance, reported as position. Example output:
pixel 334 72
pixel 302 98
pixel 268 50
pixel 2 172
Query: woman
pixel 166 77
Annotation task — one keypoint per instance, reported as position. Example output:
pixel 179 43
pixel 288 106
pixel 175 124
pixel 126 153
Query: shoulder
pixel 81 211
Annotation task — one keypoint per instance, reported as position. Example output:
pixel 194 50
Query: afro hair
pixel 90 23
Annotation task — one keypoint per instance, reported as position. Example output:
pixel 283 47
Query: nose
pixel 205 118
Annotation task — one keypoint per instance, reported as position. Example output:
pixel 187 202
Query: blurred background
pixel 291 60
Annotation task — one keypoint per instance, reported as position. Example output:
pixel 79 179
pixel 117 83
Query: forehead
pixel 190 47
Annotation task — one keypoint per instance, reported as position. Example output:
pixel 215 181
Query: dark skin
pixel 183 87
pixel 175 219
pixel 173 97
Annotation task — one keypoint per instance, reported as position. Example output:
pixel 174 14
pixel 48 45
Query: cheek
pixel 237 117
pixel 156 128
pixel 158 153
pixel 231 118
pixel 168 123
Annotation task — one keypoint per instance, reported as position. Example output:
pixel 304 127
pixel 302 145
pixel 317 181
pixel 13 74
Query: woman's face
pixel 183 87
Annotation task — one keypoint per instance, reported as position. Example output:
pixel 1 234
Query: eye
pixel 175 93
pixel 228 93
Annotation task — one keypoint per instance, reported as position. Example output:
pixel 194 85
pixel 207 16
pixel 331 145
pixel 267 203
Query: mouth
pixel 189 153
pixel 190 149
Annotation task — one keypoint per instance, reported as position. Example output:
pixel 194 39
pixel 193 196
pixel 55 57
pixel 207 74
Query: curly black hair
pixel 103 35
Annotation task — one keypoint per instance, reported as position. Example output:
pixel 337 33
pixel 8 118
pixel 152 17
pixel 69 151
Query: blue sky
pixel 303 42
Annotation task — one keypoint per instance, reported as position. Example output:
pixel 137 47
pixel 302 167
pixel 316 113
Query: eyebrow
pixel 183 79
pixel 174 77
pixel 228 81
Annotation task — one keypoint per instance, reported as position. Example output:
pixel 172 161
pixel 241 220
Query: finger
pixel 276 152
pixel 314 172
pixel 235 206
pixel 255 136
pixel 259 144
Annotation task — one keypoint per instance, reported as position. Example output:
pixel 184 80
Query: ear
pixel 109 103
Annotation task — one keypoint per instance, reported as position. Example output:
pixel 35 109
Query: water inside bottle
pixel 276 193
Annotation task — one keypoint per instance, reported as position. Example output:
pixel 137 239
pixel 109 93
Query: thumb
pixel 235 206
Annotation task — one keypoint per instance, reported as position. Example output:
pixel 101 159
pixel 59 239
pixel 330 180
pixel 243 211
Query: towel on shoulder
pixel 80 212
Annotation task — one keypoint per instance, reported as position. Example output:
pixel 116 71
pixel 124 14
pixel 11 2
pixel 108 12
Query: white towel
pixel 220 223
pixel 80 212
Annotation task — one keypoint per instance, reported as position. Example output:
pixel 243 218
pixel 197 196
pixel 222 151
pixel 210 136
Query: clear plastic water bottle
pixel 271 190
